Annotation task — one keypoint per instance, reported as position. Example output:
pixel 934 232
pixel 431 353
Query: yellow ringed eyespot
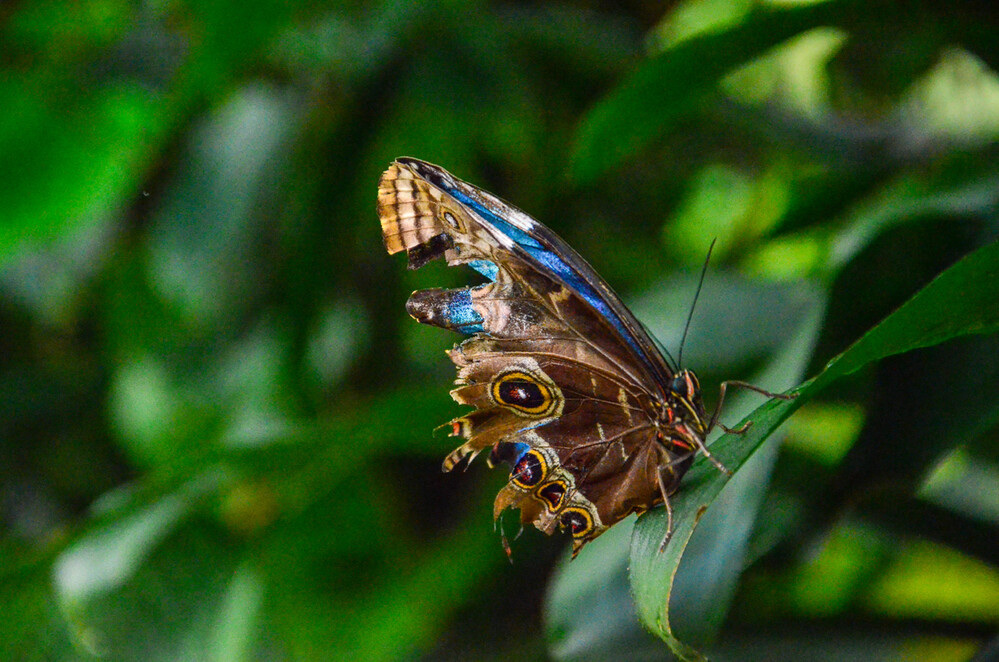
pixel 522 392
pixel 552 493
pixel 577 520
pixel 530 469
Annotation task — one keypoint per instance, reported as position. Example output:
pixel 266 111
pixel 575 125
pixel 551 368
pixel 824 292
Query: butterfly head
pixel 685 397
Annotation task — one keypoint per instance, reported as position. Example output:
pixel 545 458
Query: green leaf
pixel 589 612
pixel 149 586
pixel 204 235
pixel 34 630
pixel 652 99
pixel 960 301
pixel 68 168
pixel 584 591
pixel 375 619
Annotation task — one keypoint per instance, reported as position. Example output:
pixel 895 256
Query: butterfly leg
pixel 721 400
pixel 715 461
pixel 669 511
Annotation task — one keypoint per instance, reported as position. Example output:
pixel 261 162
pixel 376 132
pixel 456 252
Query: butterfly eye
pixel 523 393
pixel 529 470
pixel 684 385
pixel 678 389
pixel 552 494
pixel 578 521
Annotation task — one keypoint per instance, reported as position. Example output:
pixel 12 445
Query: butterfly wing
pixel 566 383
pixel 428 212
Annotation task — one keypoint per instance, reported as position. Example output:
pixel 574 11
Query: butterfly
pixel 568 387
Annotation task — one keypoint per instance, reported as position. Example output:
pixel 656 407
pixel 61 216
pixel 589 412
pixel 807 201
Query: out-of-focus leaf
pixel 964 484
pixel 943 397
pixel 107 558
pixel 860 568
pixel 650 101
pixel 736 321
pixel 653 98
pixel 586 41
pixel 381 624
pixel 340 332
pixel 958 302
pixel 813 643
pixel 331 44
pixel 237 624
pixel 49 277
pixel 590 614
pixel 111 583
pixel 927 581
pixel 728 205
pixel 67 167
pixel 231 35
pixel 210 224
pixel 34 630
pixel 908 200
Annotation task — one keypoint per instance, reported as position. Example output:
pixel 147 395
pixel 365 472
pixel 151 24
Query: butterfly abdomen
pixel 448 309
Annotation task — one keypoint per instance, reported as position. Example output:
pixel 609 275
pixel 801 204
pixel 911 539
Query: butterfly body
pixel 568 387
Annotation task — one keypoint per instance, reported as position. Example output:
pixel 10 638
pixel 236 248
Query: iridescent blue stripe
pixel 503 226
pixel 486 268
pixel 553 263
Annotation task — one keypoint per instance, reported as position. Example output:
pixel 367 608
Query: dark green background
pixel 216 419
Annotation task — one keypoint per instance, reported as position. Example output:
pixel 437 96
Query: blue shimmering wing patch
pixel 486 268
pixel 516 234
pixel 551 261
pixel 462 316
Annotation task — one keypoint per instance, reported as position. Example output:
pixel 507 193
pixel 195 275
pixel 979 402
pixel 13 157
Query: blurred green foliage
pixel 216 422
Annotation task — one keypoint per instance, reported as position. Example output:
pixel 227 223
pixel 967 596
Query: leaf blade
pixel 960 301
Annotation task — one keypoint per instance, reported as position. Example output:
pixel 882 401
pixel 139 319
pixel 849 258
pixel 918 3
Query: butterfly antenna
pixel 690 315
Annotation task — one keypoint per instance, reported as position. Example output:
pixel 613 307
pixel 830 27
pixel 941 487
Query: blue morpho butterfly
pixel 568 387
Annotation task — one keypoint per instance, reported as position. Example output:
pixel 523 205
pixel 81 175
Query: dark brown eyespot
pixel 552 494
pixel 578 521
pixel 522 392
pixel 529 470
